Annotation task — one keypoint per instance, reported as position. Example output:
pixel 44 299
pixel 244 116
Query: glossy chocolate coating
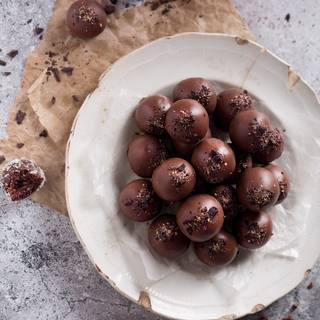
pixel 150 114
pixel 187 121
pixel 166 238
pixel 258 189
pixel 214 160
pixel 200 217
pixel 246 130
pixel 198 89
pixel 227 196
pixel 138 201
pixel 231 102
pixel 174 179
pixel 218 251
pixel 270 146
pixel 253 229
pixel 185 149
pixel 145 153
pixel 86 18
pixel 283 180
pixel 243 162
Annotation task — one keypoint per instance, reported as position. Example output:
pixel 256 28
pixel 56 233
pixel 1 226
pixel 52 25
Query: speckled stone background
pixel 44 273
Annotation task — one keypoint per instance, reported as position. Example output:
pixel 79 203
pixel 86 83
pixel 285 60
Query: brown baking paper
pixel 63 70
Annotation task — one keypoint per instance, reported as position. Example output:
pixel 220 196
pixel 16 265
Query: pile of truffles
pixel 222 189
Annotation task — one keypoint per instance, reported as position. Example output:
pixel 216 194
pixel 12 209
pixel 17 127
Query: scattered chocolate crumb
pixel 67 70
pixel 287 17
pixel 293 307
pixel 12 53
pixel 20 117
pixel 2 159
pixel 75 98
pixel 109 9
pixel 29 21
pixel 38 30
pixel 53 100
pixel 19 145
pixel 43 133
pixel 65 57
pixel 7 73
pixel 310 286
pixel 2 63
pixel 55 72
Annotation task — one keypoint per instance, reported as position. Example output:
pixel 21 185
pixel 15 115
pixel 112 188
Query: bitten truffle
pixel 231 102
pixel 258 189
pixel 145 153
pixel 283 180
pixel 187 121
pixel 214 160
pixel 253 229
pixel 198 89
pixel 150 114
pixel 20 178
pixel 86 18
pixel 200 217
pixel 174 179
pixel 218 251
pixel 227 197
pixel 138 201
pixel 166 238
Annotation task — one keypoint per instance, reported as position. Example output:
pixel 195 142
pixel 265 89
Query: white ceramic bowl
pixel 97 169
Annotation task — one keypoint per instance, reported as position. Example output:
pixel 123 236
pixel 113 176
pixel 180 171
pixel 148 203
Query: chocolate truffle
pixel 86 18
pixel 174 179
pixel 145 153
pixel 243 162
pixel 198 89
pixel 258 189
pixel 227 196
pixel 138 201
pixel 214 160
pixel 247 128
pixel 200 217
pixel 283 180
pixel 270 146
pixel 166 238
pixel 185 150
pixel 187 121
pixel 253 229
pixel 218 251
pixel 230 102
pixel 20 178
pixel 150 114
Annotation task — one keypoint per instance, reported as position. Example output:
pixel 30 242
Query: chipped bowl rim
pixel 144 299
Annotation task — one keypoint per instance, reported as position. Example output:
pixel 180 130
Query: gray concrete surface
pixel 44 273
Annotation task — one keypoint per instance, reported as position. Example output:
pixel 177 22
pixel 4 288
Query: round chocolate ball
pixel 283 180
pixel 253 229
pixel 258 189
pixel 20 178
pixel 138 201
pixel 145 153
pixel 86 18
pixel 150 114
pixel 269 146
pixel 174 179
pixel 214 160
pixel 166 238
pixel 200 217
pixel 243 162
pixel 185 149
pixel 227 197
pixel 231 102
pixel 198 89
pixel 247 128
pixel 218 251
pixel 187 121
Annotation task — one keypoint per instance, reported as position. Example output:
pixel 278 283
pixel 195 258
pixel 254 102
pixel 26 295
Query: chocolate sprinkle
pixel 259 196
pixel 55 72
pixel 255 233
pixel 19 145
pixel 240 102
pixel 310 286
pixel 20 117
pixel 214 163
pixel 287 17
pixel 179 176
pixel 217 246
pixel 203 96
pixel 67 70
pixel 13 53
pixel 3 63
pixel 167 231
pixel 37 30
pixel 43 133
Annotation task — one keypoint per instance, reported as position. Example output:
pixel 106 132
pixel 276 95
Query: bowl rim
pixel 144 299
